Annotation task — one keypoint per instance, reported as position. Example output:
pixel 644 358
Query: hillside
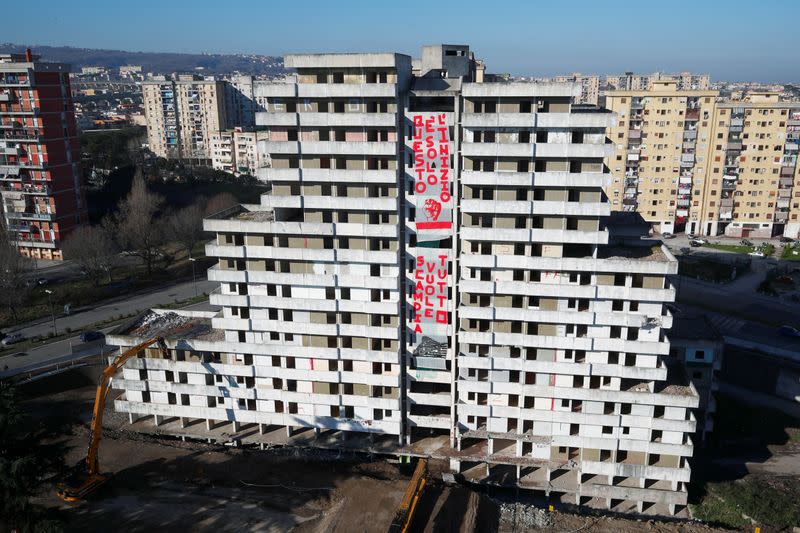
pixel 158 62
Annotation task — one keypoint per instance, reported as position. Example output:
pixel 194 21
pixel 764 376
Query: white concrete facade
pixel 554 374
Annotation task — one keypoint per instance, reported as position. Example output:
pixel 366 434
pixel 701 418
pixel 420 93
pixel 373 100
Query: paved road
pixel 80 320
pixel 61 349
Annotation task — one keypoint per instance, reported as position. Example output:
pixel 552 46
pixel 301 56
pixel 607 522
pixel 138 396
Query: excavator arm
pixel 87 478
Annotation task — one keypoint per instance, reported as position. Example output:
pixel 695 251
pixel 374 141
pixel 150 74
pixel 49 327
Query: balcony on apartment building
pixel 733 145
pixel 693 114
pixel 785 183
pixel 728 184
pixel 637 103
pixel 690 135
pixel 537 120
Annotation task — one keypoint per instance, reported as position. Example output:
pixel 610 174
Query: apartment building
pixel 183 114
pixel 590 87
pixel 753 183
pixel 236 151
pixel 41 184
pixel 661 138
pixel 629 81
pixel 687 161
pixel 437 263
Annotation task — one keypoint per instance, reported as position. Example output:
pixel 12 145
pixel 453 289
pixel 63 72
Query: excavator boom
pixel 86 477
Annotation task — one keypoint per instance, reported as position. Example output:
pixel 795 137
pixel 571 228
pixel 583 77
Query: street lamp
pixel 194 279
pixel 52 310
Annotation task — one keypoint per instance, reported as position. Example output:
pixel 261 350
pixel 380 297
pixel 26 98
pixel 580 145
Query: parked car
pixel 685 250
pixel 667 235
pixel 695 243
pixel 745 242
pixel 786 239
pixel 691 235
pixel 89 336
pixel 12 339
pixel 756 253
pixel 789 331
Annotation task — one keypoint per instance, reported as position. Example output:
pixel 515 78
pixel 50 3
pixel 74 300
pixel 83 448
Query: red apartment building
pixel 41 182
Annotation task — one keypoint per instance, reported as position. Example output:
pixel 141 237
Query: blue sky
pixel 734 39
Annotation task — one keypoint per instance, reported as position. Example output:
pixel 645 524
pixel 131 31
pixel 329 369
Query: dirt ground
pixel 170 485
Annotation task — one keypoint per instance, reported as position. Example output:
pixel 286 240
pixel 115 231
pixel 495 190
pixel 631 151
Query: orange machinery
pixel 86 477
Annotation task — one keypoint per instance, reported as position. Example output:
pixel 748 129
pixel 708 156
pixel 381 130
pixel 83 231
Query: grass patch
pixel 714 510
pixel 735 248
pixel 791 253
pixel 769 502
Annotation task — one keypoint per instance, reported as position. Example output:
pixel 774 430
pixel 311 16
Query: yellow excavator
pixel 86 477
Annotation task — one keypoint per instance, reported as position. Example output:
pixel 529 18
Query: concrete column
pixel 458 443
pixel 639 506
pixel 208 424
pixel 131 419
pixel 672 509
pixel 261 430
pixel 316 433
pixel 235 426
pixel 183 423
pixel 343 435
pixel 455 466
pixel 288 431
pixel 158 419
pixel 519 472
pixel 608 503
pixel 491 447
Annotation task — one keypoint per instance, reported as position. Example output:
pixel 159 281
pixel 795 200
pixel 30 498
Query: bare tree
pixel 13 268
pixel 220 202
pixel 93 249
pixel 136 228
pixel 186 227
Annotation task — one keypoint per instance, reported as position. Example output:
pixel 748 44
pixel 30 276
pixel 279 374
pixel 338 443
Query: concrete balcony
pixel 259 417
pixel 518 90
pixel 321 229
pixel 344 203
pixel 326 175
pixel 610 292
pixel 639 471
pixel 533 235
pixel 539 179
pixel 529 150
pixel 345 90
pixel 537 120
pixel 329 147
pixel 302 254
pixel 536 207
pixel 311 119
pixel 622 265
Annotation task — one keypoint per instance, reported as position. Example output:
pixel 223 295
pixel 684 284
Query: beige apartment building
pixel 686 161
pixel 753 180
pixel 629 81
pixel 236 151
pixel 182 115
pixel 661 142
pixel 589 84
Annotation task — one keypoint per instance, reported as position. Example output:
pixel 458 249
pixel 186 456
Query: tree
pixel 13 269
pixel 136 228
pixel 186 227
pixel 23 465
pixel 220 202
pixel 93 249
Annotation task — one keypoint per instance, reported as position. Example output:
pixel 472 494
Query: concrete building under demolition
pixel 436 267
